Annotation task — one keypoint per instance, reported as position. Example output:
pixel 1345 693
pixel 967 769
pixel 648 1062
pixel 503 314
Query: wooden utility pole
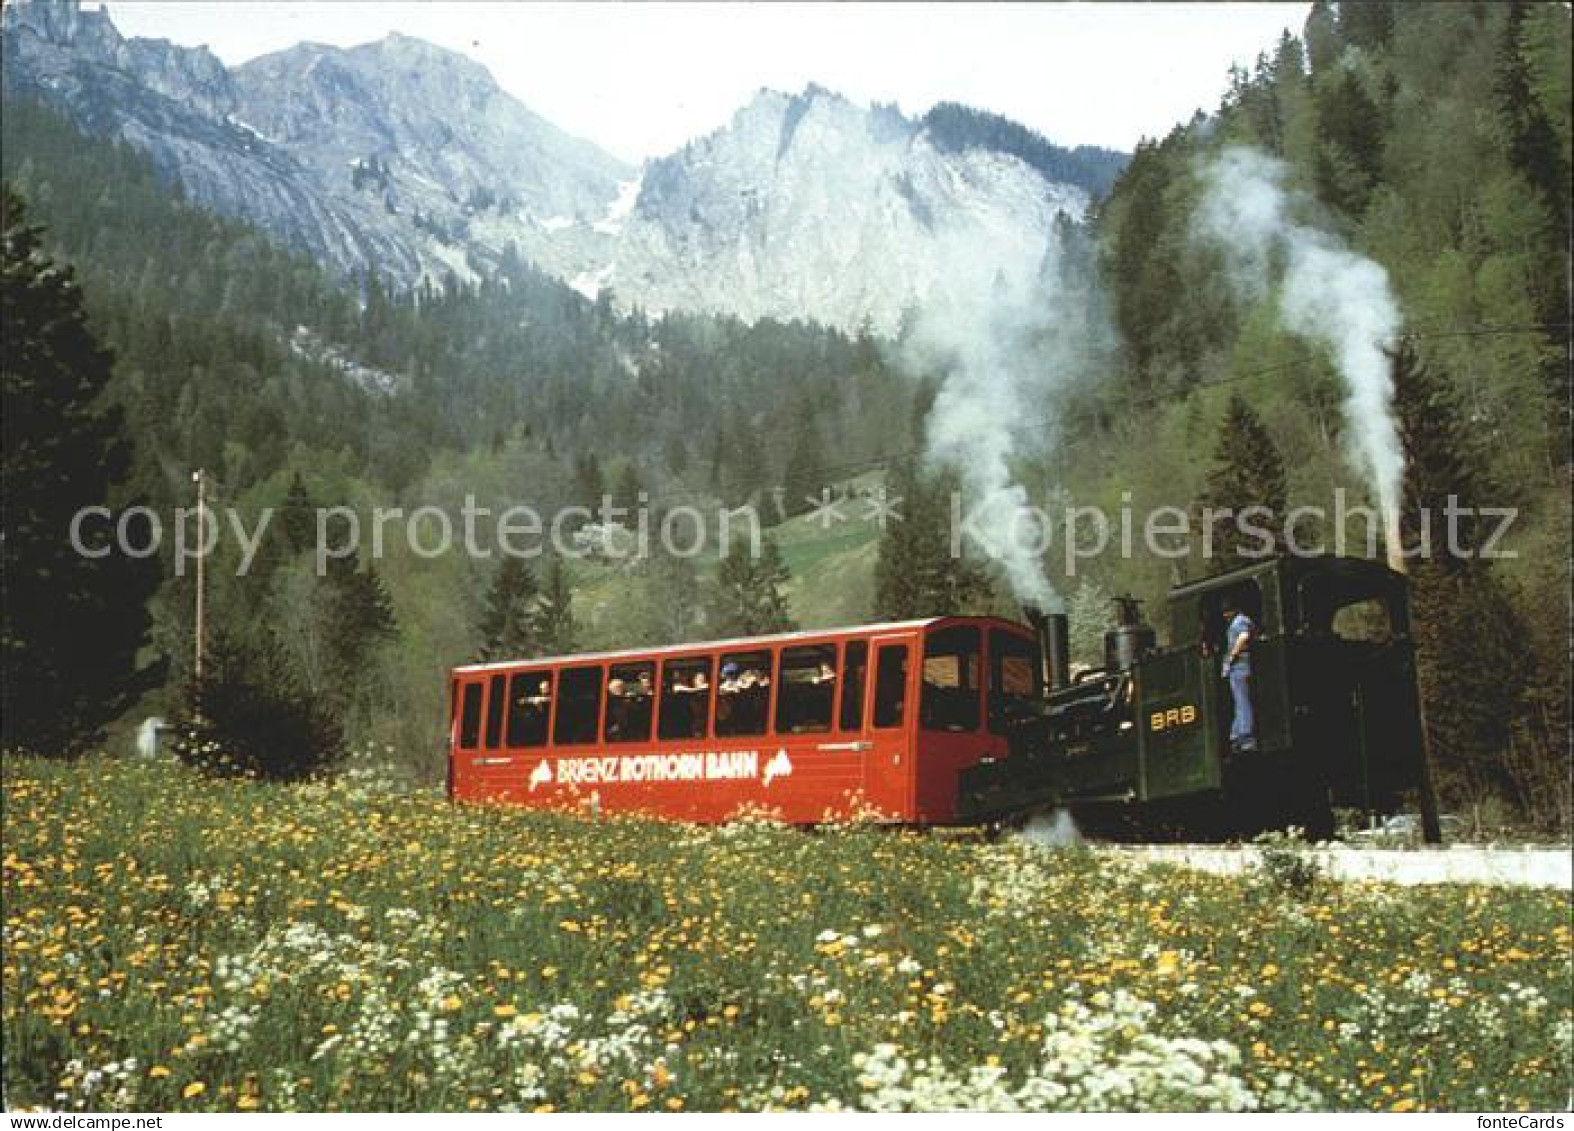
pixel 197 647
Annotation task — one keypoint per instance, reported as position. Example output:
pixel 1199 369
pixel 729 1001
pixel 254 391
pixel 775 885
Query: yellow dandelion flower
pixel 193 1090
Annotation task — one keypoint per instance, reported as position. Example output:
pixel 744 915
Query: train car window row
pixel 800 689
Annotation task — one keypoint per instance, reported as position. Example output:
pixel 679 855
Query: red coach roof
pixel 713 645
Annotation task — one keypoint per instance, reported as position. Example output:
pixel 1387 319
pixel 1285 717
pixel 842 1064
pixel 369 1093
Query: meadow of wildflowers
pixel 176 942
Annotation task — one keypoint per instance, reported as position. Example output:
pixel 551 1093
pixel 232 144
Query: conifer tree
pixel 1350 124
pixel 298 521
pixel 73 622
pixel 804 478
pixel 749 599
pixel 508 624
pixel 673 605
pixel 590 484
pixel 916 574
pixel 359 617
pixel 746 471
pixel 626 490
pixel 257 717
pixel 1530 138
pixel 1471 659
pixel 1247 472
pixel 556 632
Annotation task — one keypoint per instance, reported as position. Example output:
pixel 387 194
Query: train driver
pixel 1239 636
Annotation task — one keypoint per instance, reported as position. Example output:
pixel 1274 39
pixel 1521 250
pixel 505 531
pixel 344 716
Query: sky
pixel 640 79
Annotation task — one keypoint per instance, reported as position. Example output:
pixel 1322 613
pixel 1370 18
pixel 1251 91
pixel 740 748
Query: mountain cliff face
pixel 408 159
pixel 395 155
pixel 811 206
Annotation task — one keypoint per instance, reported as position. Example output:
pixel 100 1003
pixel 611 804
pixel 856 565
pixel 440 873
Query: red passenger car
pixel 805 726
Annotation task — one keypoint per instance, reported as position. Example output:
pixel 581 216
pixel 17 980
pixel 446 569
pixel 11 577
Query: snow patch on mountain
pixel 628 195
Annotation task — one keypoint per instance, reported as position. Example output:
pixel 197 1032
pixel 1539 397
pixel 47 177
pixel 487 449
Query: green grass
pixel 832 567
pixel 172 942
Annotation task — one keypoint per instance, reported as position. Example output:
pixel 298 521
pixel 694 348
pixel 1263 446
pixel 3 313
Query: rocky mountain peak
pixel 63 23
pixel 407 158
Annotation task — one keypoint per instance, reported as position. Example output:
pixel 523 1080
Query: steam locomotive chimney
pixel 1054 643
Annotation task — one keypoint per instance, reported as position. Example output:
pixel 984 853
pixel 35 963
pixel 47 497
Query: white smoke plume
pixel 1328 294
pixel 1056 829
pixel 1002 331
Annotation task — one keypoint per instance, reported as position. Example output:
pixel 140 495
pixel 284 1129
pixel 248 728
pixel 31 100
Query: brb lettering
pixel 1172 717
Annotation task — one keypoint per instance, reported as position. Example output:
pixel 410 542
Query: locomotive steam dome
pixel 1130 639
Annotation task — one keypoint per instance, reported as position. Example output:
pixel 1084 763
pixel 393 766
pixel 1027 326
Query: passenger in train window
pixel 543 694
pixel 680 687
pixel 617 707
pixel 826 674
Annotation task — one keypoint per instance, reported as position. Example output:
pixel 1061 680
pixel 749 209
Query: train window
pixel 1355 609
pixel 890 685
pixel 1364 621
pixel 470 717
pixel 808 689
pixel 1015 675
pixel 855 665
pixel 494 711
pixel 631 701
pixel 950 688
pixel 685 698
pixel 743 695
pixel 529 700
pixel 578 706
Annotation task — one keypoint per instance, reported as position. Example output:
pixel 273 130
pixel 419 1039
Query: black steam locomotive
pixel 1140 746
